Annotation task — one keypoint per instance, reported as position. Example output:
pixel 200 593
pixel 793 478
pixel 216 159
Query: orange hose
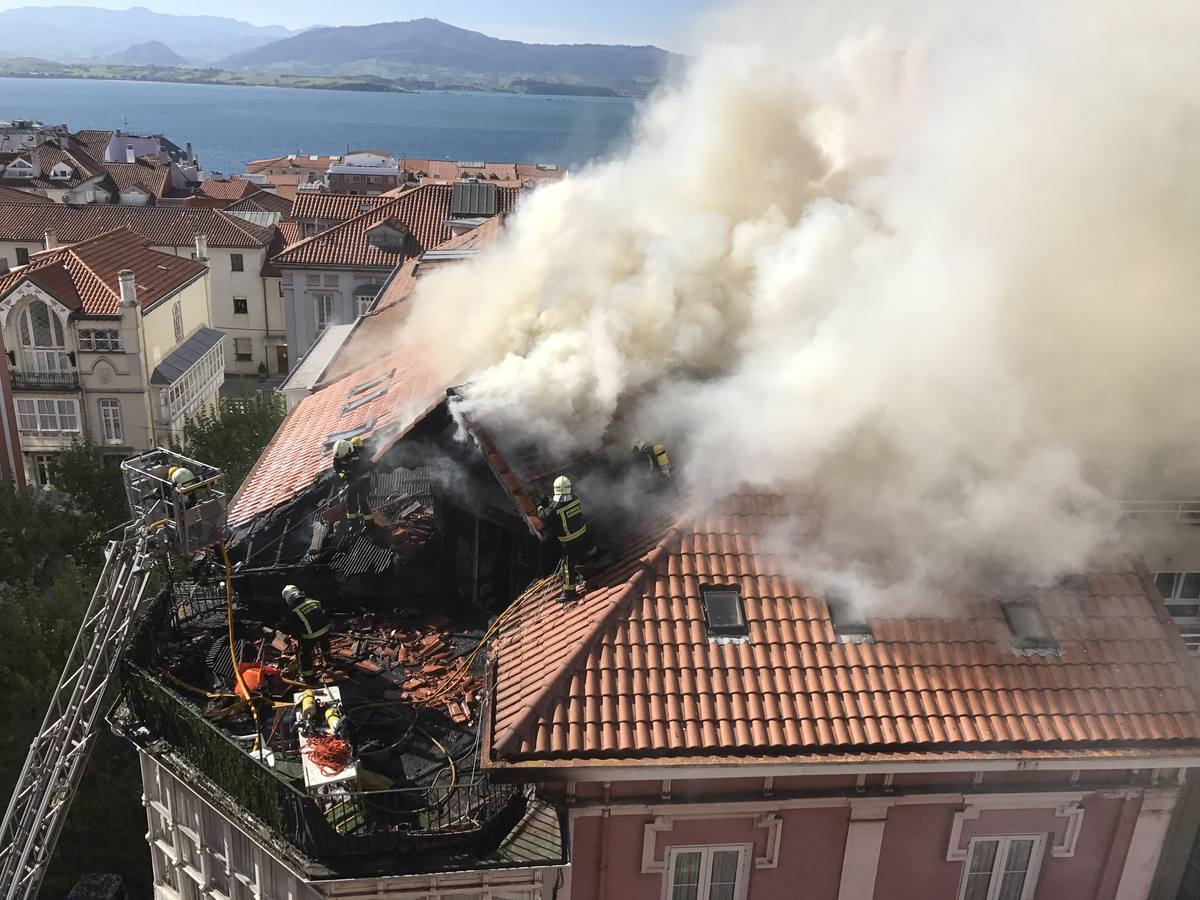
pixel 329 753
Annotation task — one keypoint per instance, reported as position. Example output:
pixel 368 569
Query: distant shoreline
pixel 224 78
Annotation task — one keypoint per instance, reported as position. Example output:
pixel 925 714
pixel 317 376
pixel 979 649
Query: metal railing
pixel 45 381
pixel 1186 512
pixel 469 814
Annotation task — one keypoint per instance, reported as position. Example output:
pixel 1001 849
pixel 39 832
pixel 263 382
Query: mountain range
pixel 422 53
pixel 80 33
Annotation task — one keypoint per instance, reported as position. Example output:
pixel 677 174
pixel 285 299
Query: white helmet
pixel 181 476
pixel 562 486
pixel 291 593
pixel 341 448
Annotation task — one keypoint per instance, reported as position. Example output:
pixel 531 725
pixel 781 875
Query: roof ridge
pixel 72 250
pixel 600 625
pixel 340 225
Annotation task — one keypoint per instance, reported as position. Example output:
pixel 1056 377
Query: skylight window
pixel 364 400
pixel 353 432
pixel 1030 631
pixel 723 610
pixel 373 383
pixel 849 623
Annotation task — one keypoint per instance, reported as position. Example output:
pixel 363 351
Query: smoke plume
pixel 929 268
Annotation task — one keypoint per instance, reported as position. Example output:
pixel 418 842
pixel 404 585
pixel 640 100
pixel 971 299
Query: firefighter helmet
pixel 291 594
pixel 341 449
pixel 181 476
pixel 562 486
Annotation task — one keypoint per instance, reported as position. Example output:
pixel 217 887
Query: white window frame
pixel 112 429
pixel 1189 626
pixel 362 303
pixel 38 460
pixel 318 301
pixel 706 851
pixel 35 415
pixel 245 304
pixel 101 340
pixel 238 355
pixel 177 322
pixel 1005 842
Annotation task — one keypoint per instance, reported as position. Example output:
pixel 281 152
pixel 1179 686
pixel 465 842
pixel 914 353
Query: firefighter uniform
pixel 655 459
pixel 352 469
pixel 309 625
pixel 563 517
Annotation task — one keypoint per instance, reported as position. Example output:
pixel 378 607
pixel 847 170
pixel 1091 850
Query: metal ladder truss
pixel 59 751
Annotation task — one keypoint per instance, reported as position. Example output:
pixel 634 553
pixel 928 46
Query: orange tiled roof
pixel 298 454
pixel 300 163
pixel 261 201
pixel 154 176
pixel 164 226
pixel 83 276
pixel 94 142
pixel 14 195
pixel 227 188
pixel 332 207
pixel 629 673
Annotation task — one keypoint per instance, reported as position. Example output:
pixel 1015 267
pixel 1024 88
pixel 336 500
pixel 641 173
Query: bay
pixel 230 125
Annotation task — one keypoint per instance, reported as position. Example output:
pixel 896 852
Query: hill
pixel 75 33
pixel 150 53
pixel 430 53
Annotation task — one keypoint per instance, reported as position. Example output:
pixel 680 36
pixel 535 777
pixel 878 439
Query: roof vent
pixel 373 383
pixel 1031 634
pixel 350 433
pixel 364 400
pixel 723 611
pixel 849 623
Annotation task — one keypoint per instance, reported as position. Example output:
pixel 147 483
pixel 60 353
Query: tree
pixel 92 483
pixel 233 433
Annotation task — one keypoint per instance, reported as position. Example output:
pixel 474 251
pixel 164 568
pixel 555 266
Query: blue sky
pixel 662 22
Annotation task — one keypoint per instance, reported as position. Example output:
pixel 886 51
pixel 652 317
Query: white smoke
pixel 928 268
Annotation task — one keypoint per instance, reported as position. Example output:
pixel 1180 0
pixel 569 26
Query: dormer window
pixel 723 611
pixel 389 235
pixel 61 172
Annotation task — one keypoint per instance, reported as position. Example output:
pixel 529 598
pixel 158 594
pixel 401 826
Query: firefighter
pixel 351 466
pixel 655 459
pixel 562 515
pixel 308 623
pixel 180 478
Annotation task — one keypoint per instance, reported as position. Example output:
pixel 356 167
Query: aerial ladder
pixel 166 519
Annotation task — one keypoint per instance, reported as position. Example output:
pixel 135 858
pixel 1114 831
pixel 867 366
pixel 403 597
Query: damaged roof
pixel 630 673
pixel 388 397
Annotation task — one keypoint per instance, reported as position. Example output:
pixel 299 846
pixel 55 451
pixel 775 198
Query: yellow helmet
pixel 171 471
pixel 356 441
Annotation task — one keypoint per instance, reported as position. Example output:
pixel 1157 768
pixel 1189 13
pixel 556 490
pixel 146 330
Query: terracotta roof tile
pixel 163 226
pixel 262 201
pixel 332 207
pixel 84 276
pixel 299 453
pixel 145 172
pixel 15 195
pixel 423 210
pixel 631 666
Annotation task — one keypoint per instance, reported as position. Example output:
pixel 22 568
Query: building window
pixel 312 280
pixel 240 307
pixel 177 321
pixel 363 303
pixel 723 610
pixel 236 263
pixel 51 418
pixel 43 469
pixel 1180 591
pixel 101 340
pixel 110 421
pixel 22 256
pixel 242 349
pixel 43 343
pixel 324 304
pixel 1001 868
pixel 706 873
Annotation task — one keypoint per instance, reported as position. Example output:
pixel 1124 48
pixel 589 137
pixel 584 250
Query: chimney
pixel 129 154
pixel 128 288
pixel 191 157
pixel 201 247
pixel 3 265
pixel 51 239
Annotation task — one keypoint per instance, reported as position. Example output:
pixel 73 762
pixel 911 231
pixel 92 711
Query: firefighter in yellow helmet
pixel 562 515
pixel 181 478
pixel 655 460
pixel 307 623
pixel 352 468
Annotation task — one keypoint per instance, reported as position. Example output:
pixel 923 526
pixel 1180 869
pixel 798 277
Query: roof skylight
pixel 849 623
pixel 1030 631
pixel 723 610
pixel 352 432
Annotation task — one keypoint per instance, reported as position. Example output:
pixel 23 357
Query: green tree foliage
pixel 48 567
pixel 91 483
pixel 232 434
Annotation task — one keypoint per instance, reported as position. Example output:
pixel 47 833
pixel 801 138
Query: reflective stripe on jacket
pixel 570 521
pixel 313 623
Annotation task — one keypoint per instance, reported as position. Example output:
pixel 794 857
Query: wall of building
pixel 1098 843
pixel 198 851
pixel 300 290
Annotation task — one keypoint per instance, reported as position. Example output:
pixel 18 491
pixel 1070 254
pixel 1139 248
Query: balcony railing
pixel 1183 511
pixel 45 381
